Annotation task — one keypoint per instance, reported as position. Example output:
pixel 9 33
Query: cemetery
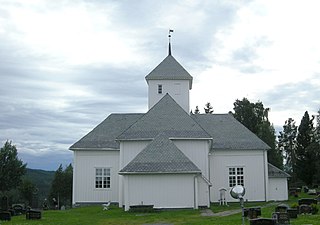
pixel 301 208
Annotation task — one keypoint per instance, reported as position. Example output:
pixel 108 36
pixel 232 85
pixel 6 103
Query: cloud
pixel 65 66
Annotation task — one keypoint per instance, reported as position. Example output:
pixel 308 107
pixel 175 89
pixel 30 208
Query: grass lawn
pixel 96 216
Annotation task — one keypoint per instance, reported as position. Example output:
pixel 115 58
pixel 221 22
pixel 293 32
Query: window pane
pixel 232 171
pixel 239 171
pixel 98 171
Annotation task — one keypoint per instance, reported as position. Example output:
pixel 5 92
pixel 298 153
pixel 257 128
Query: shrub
pixel 315 208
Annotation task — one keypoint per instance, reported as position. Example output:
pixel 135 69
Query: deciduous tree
pixel 255 117
pixel 11 167
pixel 208 108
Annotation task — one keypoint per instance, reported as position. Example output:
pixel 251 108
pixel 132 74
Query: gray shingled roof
pixel 276 172
pixel 104 135
pixel 160 156
pixel 228 133
pixel 165 116
pixel 169 69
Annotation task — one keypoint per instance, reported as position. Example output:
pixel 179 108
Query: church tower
pixel 169 77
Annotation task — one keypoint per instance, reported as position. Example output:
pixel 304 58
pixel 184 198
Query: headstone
pixel 33 215
pixel 262 221
pixel 282 208
pixel 283 218
pixel 4 203
pixel 307 201
pixel 253 213
pixel 18 209
pixel 34 201
pixel 305 209
pixel 5 215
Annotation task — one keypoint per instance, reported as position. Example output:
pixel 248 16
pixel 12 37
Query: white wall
pixel 278 189
pixel 197 151
pixel 85 162
pixel 128 150
pixel 254 173
pixel 178 90
pixel 162 191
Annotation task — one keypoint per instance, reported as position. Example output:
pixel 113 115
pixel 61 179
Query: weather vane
pixel 169 36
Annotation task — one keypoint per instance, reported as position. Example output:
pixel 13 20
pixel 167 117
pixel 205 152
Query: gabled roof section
pixel 165 117
pixel 160 156
pixel 229 133
pixel 170 69
pixel 275 172
pixel 104 135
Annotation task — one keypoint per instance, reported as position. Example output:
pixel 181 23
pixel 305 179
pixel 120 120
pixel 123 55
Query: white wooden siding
pixel 254 173
pixel 278 189
pixel 162 191
pixel 84 190
pixel 177 89
pixel 128 150
pixel 197 151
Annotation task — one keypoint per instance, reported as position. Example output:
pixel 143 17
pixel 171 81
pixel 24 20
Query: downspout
pixel 265 163
pixel 195 192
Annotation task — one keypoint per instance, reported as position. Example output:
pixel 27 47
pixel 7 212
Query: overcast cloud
pixel 66 65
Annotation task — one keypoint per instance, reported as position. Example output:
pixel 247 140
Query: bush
pixel 294 205
pixel 315 208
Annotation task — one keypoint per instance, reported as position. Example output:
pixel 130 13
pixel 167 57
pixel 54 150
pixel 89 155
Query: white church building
pixel 170 158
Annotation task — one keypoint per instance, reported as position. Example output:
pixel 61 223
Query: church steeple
pixel 169 36
pixel 169 77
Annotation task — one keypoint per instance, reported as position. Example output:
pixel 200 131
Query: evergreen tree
pixel 317 128
pixel 305 156
pixel 11 168
pixel 197 111
pixel 287 143
pixel 208 108
pixel 61 187
pixel 27 188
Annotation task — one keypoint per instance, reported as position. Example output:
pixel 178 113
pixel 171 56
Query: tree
pixel 317 128
pixel 287 143
pixel 11 167
pixel 255 117
pixel 305 154
pixel 197 111
pixel 61 187
pixel 208 108
pixel 27 189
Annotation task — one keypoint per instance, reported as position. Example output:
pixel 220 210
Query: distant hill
pixel 42 179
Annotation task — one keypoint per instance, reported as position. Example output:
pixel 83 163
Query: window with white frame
pixel 103 178
pixel 159 88
pixel 236 176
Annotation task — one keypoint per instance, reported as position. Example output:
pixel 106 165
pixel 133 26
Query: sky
pixel 66 65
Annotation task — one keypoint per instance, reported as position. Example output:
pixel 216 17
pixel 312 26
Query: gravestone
pixel 262 221
pixel 283 218
pixel 282 208
pixel 305 209
pixel 4 203
pixel 253 212
pixel 34 201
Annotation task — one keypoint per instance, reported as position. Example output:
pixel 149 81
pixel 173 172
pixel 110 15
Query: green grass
pixel 96 216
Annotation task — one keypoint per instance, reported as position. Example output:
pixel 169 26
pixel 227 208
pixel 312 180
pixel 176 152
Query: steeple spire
pixel 169 36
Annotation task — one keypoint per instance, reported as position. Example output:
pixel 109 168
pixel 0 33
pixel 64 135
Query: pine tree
pixel 305 156
pixel 197 111
pixel 287 143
